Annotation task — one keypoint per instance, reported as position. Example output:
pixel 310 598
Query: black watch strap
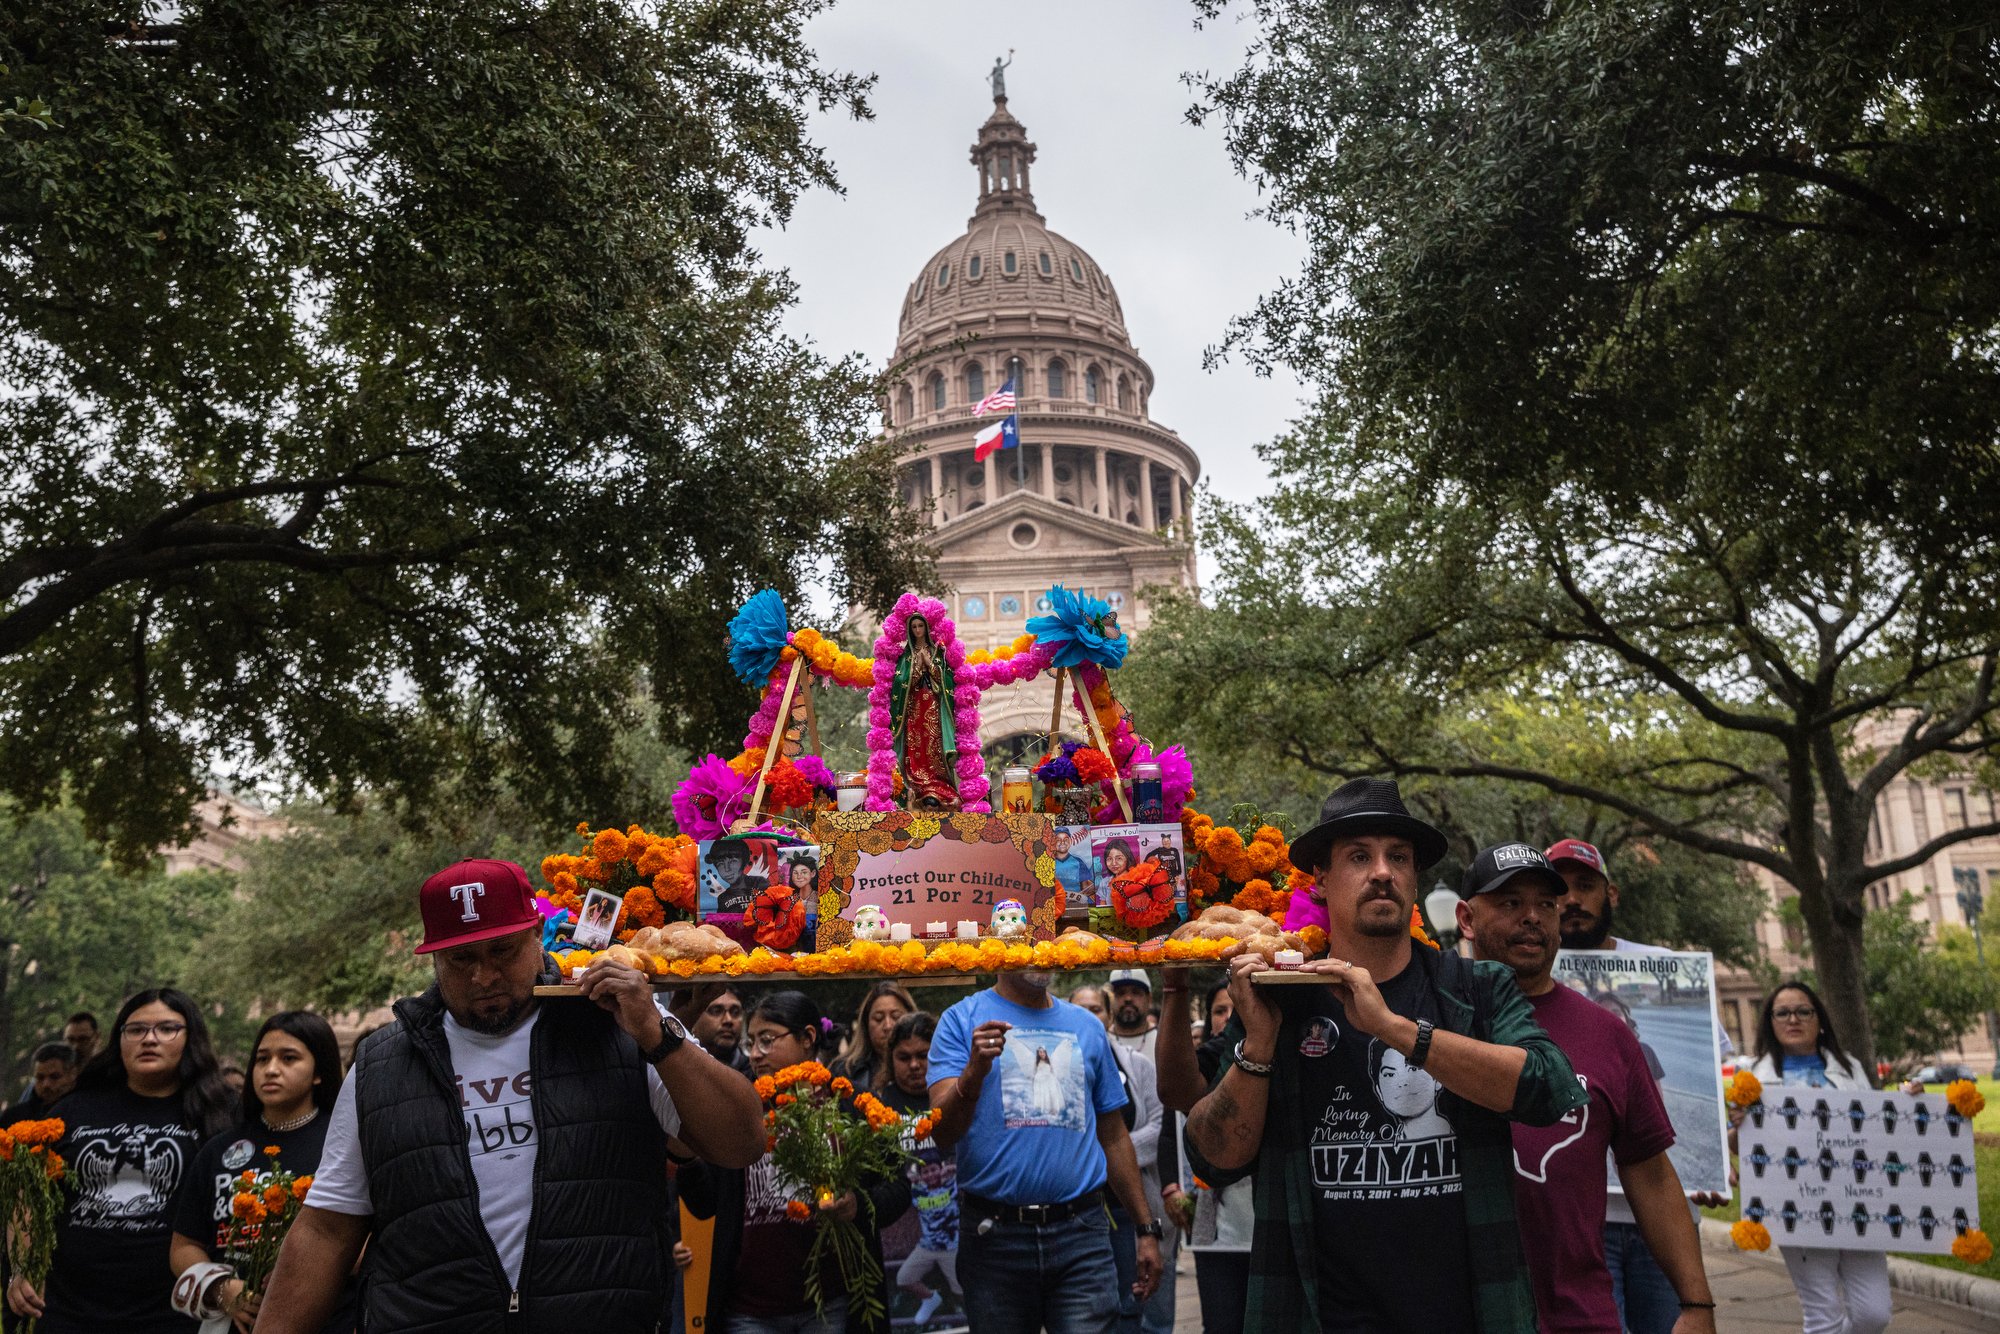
pixel 1154 1229
pixel 672 1035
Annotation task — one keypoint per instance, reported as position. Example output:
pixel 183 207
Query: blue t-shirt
pixel 1033 1138
pixel 1070 872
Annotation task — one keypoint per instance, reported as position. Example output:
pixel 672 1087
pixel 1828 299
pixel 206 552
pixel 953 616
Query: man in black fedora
pixel 1374 1111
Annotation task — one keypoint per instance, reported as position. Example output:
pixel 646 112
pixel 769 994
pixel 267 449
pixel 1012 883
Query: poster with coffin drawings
pixel 1871 1171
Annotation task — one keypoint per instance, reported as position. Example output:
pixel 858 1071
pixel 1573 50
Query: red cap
pixel 1576 850
pixel 475 900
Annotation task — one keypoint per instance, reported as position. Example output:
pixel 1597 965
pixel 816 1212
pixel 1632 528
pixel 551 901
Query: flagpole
pixel 1020 464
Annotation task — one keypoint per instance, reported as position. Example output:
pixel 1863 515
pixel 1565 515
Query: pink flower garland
pixel 972 784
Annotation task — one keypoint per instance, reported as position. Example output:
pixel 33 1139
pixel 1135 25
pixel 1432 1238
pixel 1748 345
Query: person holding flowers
pixel 760 1265
pixel 141 1108
pixel 287 1103
pixel 1840 1292
pixel 506 1162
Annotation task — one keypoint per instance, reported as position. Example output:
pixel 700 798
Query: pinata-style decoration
pixel 758 634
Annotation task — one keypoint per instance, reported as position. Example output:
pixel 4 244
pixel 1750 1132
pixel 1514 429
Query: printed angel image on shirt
pixel 123 1176
pixel 1041 1080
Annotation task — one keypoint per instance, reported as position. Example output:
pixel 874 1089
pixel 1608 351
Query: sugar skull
pixel 870 923
pixel 1010 919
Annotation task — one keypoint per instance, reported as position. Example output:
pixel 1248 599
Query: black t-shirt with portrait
pixel 201 1210
pixel 127 1154
pixel 1385 1170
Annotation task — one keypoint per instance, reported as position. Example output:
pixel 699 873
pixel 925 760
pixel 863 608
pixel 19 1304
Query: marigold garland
pixel 1750 1235
pixel 1972 1246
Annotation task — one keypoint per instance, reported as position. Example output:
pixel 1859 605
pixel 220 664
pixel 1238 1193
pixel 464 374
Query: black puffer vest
pixel 596 1252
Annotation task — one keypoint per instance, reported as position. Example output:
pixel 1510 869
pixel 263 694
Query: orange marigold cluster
pixel 829 659
pixel 247 1208
pixel 1745 1089
pixel 1750 1235
pixel 652 872
pixel 1972 1247
pixel 879 1114
pixel 1965 1098
pixel 798 1211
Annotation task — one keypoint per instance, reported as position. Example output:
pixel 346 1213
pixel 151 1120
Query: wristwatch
pixel 672 1035
pixel 1154 1229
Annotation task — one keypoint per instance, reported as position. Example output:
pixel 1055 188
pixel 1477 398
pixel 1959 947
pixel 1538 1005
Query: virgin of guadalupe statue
pixel 921 700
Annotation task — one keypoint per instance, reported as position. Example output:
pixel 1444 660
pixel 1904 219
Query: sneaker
pixel 928 1308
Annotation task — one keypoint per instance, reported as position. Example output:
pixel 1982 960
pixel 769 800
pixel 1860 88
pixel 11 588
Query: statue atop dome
pixel 999 75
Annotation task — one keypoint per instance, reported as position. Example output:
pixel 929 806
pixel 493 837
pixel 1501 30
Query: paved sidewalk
pixel 1752 1295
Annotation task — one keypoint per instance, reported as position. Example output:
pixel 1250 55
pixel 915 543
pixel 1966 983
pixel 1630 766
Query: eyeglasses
pixel 760 1045
pixel 164 1032
pixel 1787 1016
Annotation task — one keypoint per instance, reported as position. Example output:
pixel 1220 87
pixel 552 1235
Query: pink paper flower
pixel 711 797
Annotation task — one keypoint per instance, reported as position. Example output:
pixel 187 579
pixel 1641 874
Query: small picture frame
pixel 599 921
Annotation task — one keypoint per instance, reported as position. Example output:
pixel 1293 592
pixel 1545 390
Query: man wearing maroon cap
pixel 1646 1297
pixel 505 1161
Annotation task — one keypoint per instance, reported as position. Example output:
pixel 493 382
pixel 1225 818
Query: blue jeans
pixel 1647 1302
pixel 805 1322
pixel 1020 1278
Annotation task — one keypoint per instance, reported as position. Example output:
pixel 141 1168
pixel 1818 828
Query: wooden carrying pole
pixel 776 743
pixel 1097 738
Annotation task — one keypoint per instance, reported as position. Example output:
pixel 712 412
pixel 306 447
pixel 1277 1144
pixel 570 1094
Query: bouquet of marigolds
pixel 262 1211
pixel 31 1176
pixel 829 1141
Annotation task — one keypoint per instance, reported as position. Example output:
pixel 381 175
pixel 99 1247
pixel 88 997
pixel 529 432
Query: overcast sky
pixel 1118 170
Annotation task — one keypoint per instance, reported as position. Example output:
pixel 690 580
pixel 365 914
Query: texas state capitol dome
pixel 1098 495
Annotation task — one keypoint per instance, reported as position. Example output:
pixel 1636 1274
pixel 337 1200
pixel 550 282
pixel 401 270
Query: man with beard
pixel 480 1109
pixel 1509 911
pixel 1342 1202
pixel 1029 1100
pixel 1132 1025
pixel 713 1013
pixel 1589 905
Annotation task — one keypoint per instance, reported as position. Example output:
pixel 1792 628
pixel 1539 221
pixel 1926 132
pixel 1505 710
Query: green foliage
pixel 371 358
pixel 1652 462
pixel 1923 994
pixel 78 933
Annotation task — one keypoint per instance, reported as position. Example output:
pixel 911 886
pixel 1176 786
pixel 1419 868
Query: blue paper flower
pixel 757 636
pixel 1081 629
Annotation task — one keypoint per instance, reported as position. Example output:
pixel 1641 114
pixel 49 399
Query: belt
pixel 1035 1214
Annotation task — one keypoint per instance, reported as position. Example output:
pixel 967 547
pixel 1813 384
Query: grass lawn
pixel 1986 1157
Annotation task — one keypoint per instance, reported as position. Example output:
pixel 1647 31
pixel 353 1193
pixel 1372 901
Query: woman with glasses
pixel 140 1110
pixel 1840 1292
pixel 757 1270
pixel 287 1103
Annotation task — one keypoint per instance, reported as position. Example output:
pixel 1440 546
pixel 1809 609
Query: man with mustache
pixel 1509 910
pixel 1343 1196
pixel 1589 907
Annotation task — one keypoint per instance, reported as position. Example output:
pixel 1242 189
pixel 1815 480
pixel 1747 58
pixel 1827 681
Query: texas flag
pixel 1003 434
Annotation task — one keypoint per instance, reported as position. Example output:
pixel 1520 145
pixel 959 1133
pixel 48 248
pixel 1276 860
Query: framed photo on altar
pixel 598 922
pixel 1140 869
pixel 760 889
pixel 927 870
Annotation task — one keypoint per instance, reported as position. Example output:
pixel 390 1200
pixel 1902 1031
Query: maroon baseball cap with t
pixel 475 900
pixel 1576 850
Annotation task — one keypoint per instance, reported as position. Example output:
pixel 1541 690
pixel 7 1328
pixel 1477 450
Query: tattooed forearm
pixel 1227 1126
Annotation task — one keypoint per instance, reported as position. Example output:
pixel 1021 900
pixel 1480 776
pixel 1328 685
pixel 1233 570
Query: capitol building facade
pixel 1098 495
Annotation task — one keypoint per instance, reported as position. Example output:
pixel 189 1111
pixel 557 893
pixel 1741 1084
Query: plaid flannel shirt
pixel 1477 1000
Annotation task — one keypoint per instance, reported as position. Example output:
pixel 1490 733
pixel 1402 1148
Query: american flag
pixel 1000 400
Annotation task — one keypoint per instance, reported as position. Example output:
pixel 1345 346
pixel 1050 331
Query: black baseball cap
pixel 1495 866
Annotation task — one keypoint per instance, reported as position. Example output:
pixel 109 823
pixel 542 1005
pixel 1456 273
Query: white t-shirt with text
pixel 494 1085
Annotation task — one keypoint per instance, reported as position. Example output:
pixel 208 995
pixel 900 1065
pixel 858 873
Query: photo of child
pixel 1151 851
pixel 599 922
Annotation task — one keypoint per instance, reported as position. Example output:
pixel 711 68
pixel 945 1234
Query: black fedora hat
pixel 1366 806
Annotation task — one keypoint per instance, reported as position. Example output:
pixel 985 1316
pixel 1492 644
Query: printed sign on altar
pixel 924 869
pixel 1667 1000
pixel 1858 1171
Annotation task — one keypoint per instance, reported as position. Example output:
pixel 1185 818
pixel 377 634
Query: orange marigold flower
pixel 609 847
pixel 270 1151
pixel 1750 1236
pixel 798 1211
pixel 1972 1247
pixel 843 1087
pixel 301 1185
pixel 765 1087
pixel 1965 1098
pixel 276 1196
pixel 247 1208
pixel 1746 1090
pixel 54 1166
pixel 924 1127
pixel 785 1100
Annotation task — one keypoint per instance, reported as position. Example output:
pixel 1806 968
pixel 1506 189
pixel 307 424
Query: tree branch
pixel 1910 861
